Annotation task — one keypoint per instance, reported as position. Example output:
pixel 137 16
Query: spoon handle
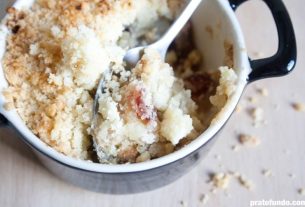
pixel 177 26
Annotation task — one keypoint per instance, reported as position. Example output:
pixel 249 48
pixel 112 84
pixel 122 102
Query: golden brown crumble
pixel 40 103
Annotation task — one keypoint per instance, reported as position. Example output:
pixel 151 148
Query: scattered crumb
pixel 300 107
pixel 245 182
pixel 276 107
pixel 267 173
pixel 228 195
pixel 257 115
pixel 235 148
pixel 183 203
pixel 265 122
pixel 301 191
pixel 252 99
pixel 221 180
pixel 234 174
pixel 213 190
pixel 263 91
pixel 258 54
pixel 220 165
pixel 248 140
pixel 217 157
pixel 204 198
pixel 238 108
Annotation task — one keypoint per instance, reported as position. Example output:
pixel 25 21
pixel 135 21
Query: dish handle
pixel 284 61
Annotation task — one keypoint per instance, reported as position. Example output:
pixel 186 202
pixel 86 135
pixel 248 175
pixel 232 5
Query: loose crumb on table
pixel 257 114
pixel 267 172
pixel 248 140
pixel 245 182
pixel 221 180
pixel 301 191
pixel 263 91
pixel 299 107
pixel 204 198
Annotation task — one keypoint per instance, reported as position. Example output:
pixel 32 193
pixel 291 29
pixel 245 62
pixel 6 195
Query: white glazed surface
pixel 219 10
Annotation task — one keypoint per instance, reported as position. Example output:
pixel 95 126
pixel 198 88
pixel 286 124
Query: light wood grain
pixel 24 182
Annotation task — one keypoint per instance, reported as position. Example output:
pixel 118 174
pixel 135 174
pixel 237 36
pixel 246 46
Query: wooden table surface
pixel 24 182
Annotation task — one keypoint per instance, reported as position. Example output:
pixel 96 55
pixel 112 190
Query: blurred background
pixel 273 169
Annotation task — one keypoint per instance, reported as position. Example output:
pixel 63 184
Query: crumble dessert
pixel 58 50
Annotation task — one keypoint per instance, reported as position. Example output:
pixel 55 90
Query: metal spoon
pixel 133 55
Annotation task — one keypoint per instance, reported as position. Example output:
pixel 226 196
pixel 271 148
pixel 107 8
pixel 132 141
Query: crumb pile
pixel 56 54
